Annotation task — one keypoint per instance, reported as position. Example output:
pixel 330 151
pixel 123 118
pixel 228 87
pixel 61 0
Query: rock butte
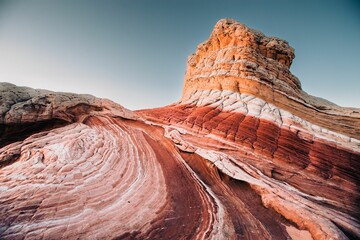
pixel 244 154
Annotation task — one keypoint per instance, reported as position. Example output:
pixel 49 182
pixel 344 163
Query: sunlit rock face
pixel 244 154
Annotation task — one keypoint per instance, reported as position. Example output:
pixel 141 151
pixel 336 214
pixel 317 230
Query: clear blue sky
pixel 134 52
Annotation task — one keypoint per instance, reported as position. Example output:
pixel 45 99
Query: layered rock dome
pixel 243 60
pixel 244 154
pixel 235 53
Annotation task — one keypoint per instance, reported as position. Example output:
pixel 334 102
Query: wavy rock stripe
pixel 253 141
pixel 293 204
pixel 74 181
pixel 107 177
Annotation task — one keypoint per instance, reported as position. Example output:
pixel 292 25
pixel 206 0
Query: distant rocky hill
pixel 244 154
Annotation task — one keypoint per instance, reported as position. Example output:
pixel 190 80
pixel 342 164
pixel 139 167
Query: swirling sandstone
pixel 244 154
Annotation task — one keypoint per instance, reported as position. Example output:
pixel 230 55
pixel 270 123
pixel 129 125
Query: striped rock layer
pixel 244 154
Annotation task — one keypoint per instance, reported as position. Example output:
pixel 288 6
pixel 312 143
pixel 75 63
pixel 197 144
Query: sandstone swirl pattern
pixel 245 154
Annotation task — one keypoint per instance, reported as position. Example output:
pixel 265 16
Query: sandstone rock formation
pixel 244 154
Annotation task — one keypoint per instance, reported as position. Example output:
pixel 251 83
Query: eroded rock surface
pixel 244 154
